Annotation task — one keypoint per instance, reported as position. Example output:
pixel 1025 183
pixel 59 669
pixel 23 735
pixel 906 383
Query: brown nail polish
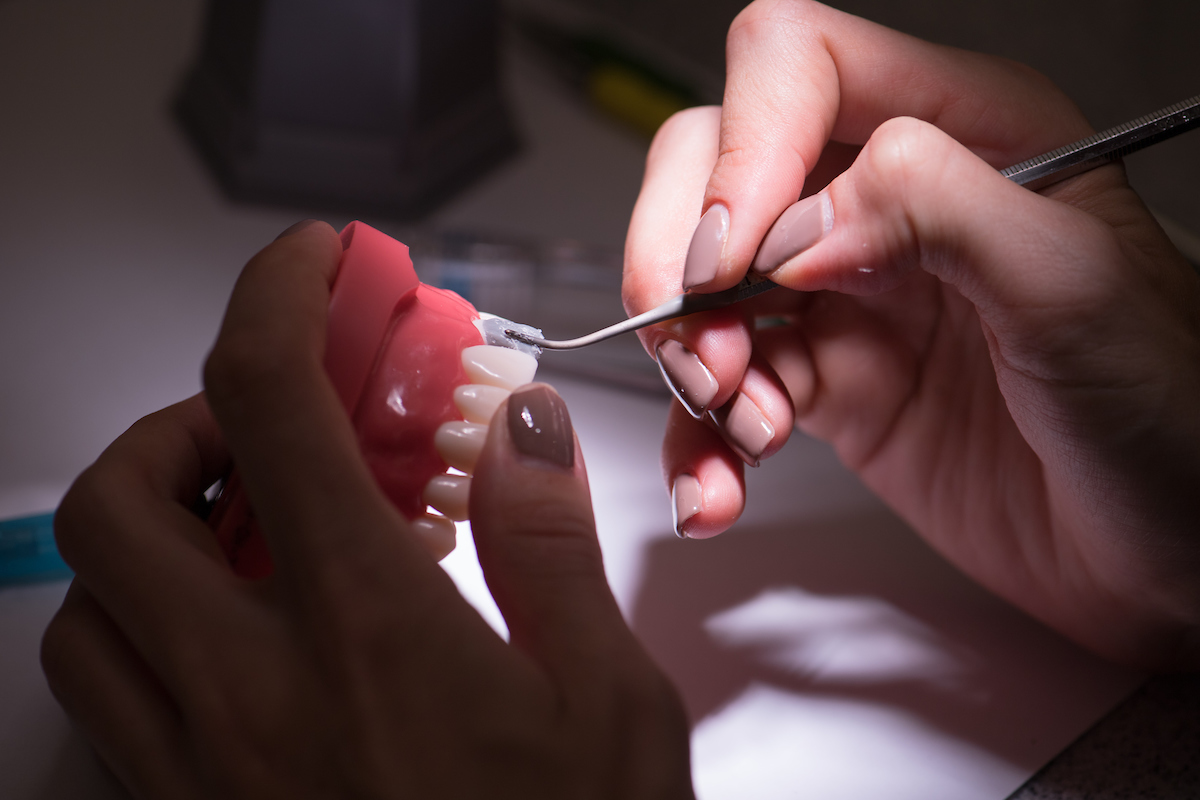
pixel 744 427
pixel 798 228
pixel 686 376
pixel 708 242
pixel 687 500
pixel 540 426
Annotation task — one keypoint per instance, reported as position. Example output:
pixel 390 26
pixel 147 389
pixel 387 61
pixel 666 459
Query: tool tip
pixel 506 333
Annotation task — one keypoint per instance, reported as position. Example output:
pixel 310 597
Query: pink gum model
pixel 393 352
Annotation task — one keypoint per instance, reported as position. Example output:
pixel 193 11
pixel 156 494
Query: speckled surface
pixel 1148 748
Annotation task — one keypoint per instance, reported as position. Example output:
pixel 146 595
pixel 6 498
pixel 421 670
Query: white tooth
pixel 436 533
pixel 479 403
pixel 459 443
pixel 498 366
pixel 448 494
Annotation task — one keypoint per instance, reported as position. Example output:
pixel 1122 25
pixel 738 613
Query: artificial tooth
pixel 498 366
pixel 478 403
pixel 459 443
pixel 437 533
pixel 448 494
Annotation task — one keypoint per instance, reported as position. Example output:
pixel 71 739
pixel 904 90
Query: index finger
pixel 801 74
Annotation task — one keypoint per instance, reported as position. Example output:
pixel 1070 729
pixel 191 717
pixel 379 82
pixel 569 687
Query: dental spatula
pixel 1036 173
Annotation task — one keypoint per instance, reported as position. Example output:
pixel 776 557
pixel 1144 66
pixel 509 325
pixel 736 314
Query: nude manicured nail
pixel 798 228
pixel 708 242
pixel 540 426
pixel 687 500
pixel 744 427
pixel 686 376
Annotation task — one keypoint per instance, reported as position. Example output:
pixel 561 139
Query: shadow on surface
pixel 855 608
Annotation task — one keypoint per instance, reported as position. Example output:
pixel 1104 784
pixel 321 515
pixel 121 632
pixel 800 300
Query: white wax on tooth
pixel 448 494
pixel 498 366
pixel 459 443
pixel 479 403
pixel 436 533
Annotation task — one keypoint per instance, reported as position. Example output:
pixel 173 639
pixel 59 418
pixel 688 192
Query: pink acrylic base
pixel 393 352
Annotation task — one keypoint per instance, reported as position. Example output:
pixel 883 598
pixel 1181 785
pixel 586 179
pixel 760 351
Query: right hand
pixel 1017 374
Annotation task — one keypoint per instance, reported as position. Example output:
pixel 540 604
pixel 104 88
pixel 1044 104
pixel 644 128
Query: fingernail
pixel 744 427
pixel 299 226
pixel 686 376
pixel 708 242
pixel 540 426
pixel 798 228
pixel 687 500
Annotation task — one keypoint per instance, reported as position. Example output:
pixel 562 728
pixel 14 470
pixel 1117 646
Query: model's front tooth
pixel 459 443
pixel 498 366
pixel 478 403
pixel 436 533
pixel 448 494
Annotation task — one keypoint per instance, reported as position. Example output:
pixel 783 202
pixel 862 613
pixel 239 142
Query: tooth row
pixel 494 372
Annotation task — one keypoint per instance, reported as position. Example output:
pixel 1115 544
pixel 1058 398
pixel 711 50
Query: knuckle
pixel 901 149
pixel 766 15
pixel 59 650
pixel 684 124
pixel 90 504
pixel 1033 78
pixel 686 132
pixel 770 36
pixel 1034 84
pixel 68 518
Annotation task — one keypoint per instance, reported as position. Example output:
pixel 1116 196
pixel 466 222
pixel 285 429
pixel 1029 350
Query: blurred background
pixel 148 149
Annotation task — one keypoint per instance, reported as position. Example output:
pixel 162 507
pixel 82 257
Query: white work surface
pixel 822 649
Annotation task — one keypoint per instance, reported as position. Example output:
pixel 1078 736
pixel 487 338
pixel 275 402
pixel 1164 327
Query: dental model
pixel 421 373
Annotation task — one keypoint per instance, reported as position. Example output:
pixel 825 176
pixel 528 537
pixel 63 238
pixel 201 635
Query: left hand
pixel 356 669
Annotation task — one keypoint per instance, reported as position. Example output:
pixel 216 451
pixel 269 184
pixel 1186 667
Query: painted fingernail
pixel 540 426
pixel 299 226
pixel 687 500
pixel 798 228
pixel 744 427
pixel 708 242
pixel 686 376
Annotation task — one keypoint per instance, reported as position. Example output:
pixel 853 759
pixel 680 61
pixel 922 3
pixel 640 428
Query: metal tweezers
pixel 1036 173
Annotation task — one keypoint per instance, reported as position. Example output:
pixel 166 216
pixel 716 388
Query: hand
pixel 356 669
pixel 1018 375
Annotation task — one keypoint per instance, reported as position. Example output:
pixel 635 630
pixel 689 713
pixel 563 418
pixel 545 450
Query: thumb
pixel 531 514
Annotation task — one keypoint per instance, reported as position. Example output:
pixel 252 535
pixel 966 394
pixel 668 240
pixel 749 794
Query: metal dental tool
pixel 1036 173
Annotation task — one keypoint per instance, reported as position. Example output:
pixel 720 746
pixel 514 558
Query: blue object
pixel 27 551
